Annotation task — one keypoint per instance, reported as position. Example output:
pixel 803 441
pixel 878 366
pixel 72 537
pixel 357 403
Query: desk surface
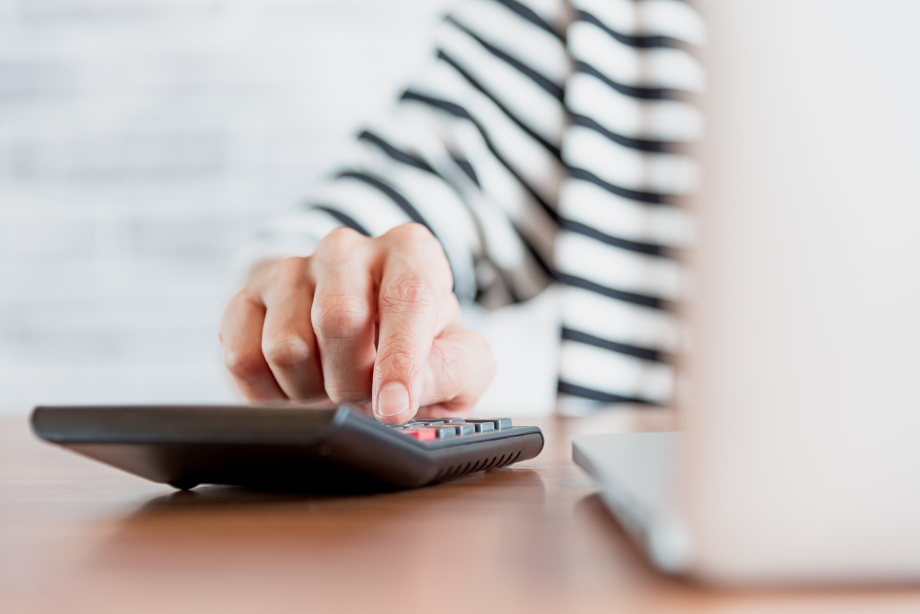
pixel 77 536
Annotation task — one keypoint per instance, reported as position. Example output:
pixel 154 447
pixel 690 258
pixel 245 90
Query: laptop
pixel 798 460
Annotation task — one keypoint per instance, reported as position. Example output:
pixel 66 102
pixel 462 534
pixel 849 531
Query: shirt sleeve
pixel 633 100
pixel 471 151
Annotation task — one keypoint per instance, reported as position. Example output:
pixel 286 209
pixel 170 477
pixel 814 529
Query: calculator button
pixel 484 427
pixel 428 421
pixel 444 431
pixel 438 420
pixel 499 423
pixel 465 429
pixel 420 434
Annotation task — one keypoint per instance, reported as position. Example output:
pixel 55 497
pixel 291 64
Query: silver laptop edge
pixel 637 474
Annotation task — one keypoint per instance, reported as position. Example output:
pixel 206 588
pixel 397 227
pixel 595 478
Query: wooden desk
pixel 76 536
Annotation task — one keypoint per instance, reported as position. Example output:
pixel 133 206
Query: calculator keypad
pixel 430 429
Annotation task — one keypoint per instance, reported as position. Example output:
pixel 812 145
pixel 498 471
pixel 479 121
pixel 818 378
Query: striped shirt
pixel 545 143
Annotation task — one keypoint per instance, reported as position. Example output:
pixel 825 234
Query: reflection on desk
pixel 78 536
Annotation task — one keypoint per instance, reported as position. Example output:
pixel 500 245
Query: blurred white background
pixel 142 141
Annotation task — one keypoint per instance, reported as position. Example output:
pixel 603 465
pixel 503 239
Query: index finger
pixel 414 280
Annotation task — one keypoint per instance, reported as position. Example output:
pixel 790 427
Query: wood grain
pixel 76 536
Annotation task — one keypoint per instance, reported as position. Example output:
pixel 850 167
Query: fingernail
pixel 392 399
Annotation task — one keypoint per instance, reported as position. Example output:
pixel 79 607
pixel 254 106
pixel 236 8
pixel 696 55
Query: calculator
pixel 284 447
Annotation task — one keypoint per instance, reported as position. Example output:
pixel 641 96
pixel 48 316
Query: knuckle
pixel 415 243
pixel 242 364
pixel 413 234
pixel 404 359
pixel 338 240
pixel 344 233
pixel 236 301
pixel 341 316
pixel 408 291
pixel 286 351
pixel 241 300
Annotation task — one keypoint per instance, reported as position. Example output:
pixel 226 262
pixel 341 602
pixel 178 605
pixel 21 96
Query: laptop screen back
pixel 803 402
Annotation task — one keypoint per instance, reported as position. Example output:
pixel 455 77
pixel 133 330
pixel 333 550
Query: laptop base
pixel 638 478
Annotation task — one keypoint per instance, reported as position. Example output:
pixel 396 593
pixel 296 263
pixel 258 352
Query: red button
pixel 420 434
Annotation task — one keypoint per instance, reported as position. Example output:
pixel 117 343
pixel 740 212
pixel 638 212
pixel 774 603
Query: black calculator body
pixel 283 447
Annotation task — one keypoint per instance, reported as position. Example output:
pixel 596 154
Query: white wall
pixel 141 141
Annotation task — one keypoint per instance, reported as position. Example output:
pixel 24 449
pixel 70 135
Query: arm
pixel 451 199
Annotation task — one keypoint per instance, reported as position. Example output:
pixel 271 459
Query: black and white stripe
pixel 546 140
pixel 631 100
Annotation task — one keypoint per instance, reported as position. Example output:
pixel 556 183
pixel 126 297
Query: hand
pixel 365 321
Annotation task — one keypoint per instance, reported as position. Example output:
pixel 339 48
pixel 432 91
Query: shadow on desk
pixel 335 552
pixel 217 498
pixel 446 526
pixel 527 484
